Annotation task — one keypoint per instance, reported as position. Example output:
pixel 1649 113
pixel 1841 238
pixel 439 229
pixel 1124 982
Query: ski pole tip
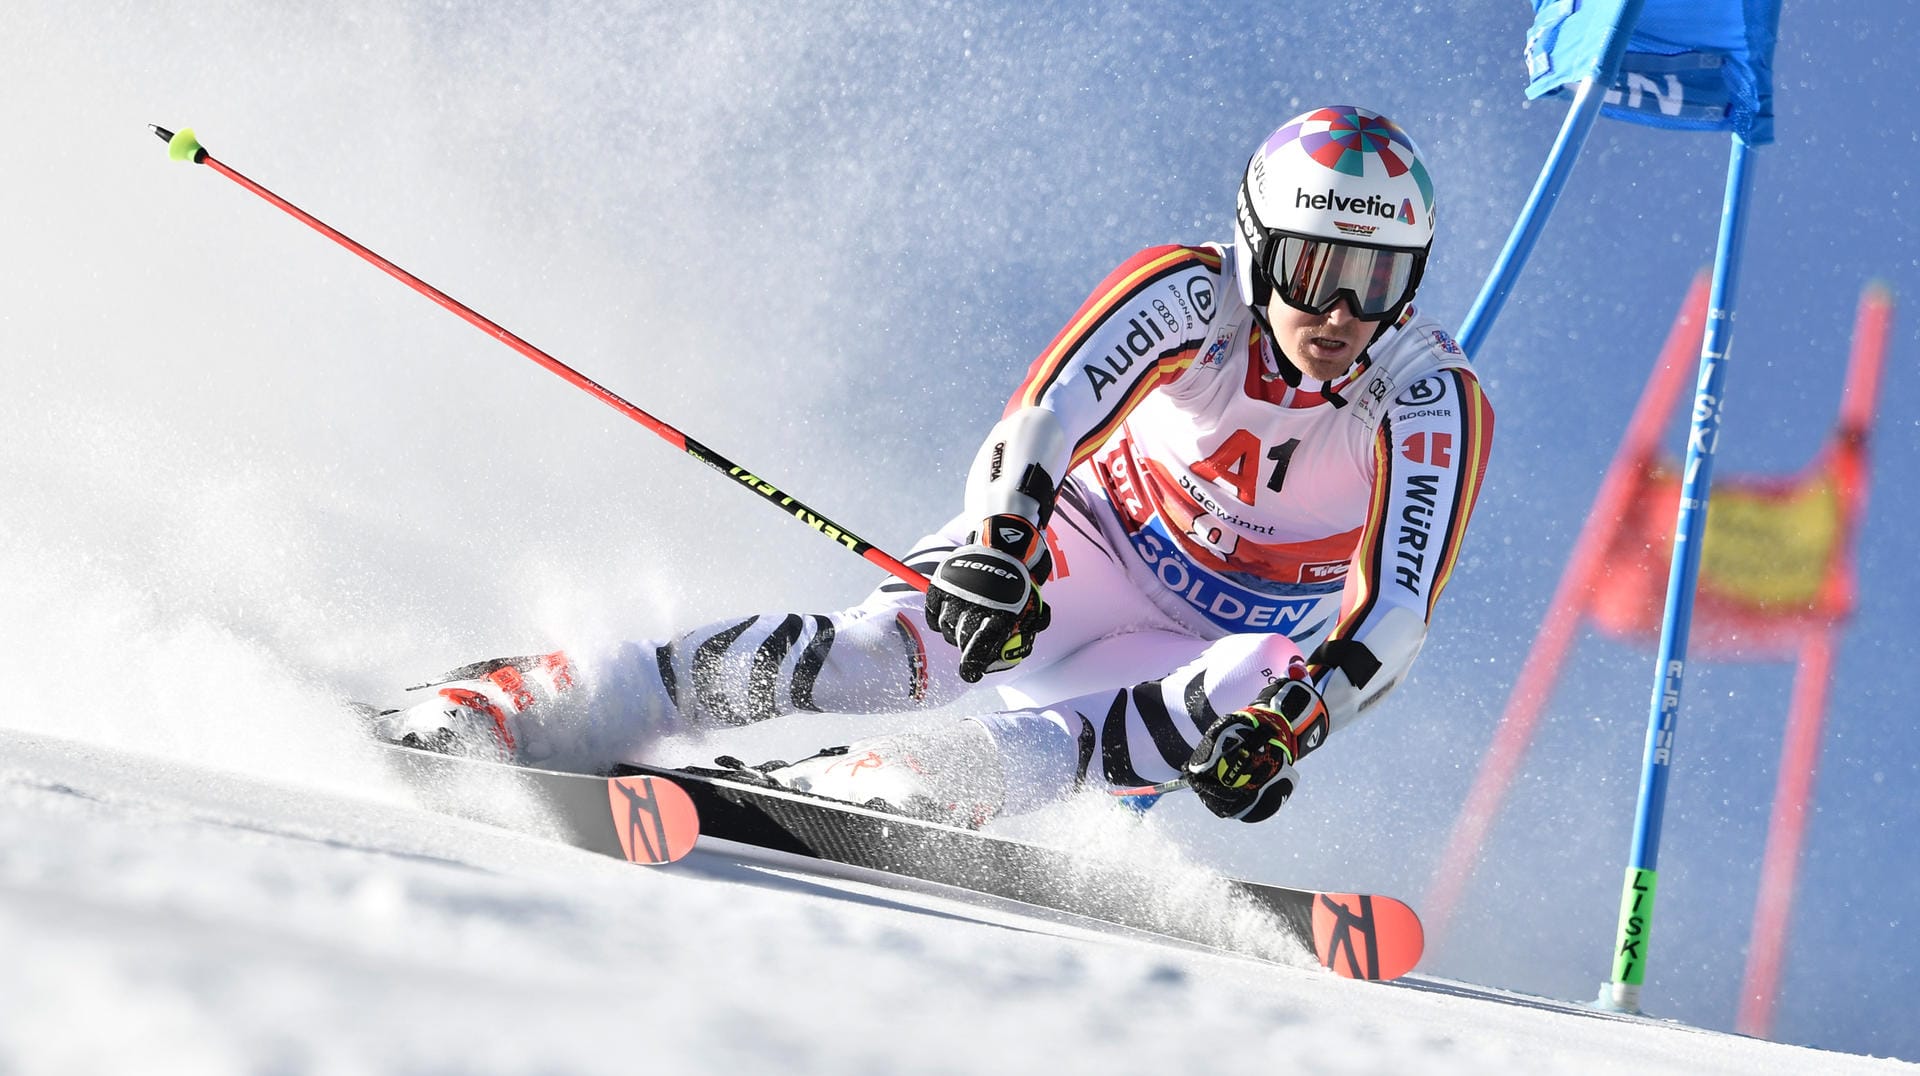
pixel 182 146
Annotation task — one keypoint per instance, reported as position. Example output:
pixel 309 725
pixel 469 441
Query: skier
pixel 1231 458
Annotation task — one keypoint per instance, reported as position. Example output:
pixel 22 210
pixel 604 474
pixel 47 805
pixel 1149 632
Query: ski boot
pixel 483 710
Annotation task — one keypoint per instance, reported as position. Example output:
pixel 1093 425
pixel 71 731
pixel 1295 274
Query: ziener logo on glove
pixel 984 566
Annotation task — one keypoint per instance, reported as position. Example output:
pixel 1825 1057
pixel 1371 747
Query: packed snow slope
pixel 244 476
pixel 171 917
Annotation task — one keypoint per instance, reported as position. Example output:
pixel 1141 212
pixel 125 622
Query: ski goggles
pixel 1311 275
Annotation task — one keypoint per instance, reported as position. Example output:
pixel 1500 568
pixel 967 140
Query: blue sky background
pixel 248 475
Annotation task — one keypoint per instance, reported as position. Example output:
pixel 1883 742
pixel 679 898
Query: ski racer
pixel 1208 532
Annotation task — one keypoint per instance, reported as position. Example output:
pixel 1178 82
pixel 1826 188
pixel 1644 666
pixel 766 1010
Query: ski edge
pixel 653 815
pixel 1355 935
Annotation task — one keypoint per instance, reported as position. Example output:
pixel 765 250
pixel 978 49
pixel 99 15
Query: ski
pixel 651 814
pixel 643 818
pixel 1356 935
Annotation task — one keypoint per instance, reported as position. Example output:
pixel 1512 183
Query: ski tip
pixel 1361 936
pixel 654 818
pixel 181 145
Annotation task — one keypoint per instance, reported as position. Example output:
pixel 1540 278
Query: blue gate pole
pixel 1587 99
pixel 1622 991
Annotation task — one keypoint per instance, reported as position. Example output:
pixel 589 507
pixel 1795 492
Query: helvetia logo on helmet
pixel 1370 206
pixel 1406 211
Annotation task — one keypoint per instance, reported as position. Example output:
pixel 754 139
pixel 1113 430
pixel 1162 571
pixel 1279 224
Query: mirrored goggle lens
pixel 1313 274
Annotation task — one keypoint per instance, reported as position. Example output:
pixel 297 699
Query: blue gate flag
pixel 1691 65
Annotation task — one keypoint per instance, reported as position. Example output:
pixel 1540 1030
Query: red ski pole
pixel 185 147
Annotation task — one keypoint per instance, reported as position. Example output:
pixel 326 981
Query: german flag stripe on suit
pixel 1374 557
pixel 1062 361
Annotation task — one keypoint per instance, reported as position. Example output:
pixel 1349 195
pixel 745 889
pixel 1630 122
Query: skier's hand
pixel 985 597
pixel 1243 765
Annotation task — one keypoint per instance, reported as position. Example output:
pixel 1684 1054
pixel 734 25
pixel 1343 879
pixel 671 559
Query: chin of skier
pixel 1233 457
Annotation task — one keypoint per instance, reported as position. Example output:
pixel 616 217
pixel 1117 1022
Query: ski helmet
pixel 1336 206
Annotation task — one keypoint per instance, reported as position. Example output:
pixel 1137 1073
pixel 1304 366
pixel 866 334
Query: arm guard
pixel 1019 468
pixel 1353 674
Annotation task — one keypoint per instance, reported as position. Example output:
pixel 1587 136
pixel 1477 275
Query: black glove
pixel 1243 766
pixel 985 597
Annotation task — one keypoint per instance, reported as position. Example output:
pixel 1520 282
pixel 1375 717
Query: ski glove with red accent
pixel 985 597
pixel 1243 765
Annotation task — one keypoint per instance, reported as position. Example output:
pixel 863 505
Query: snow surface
pixel 162 916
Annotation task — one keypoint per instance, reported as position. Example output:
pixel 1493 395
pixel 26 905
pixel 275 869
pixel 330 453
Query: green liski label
pixel 1636 927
